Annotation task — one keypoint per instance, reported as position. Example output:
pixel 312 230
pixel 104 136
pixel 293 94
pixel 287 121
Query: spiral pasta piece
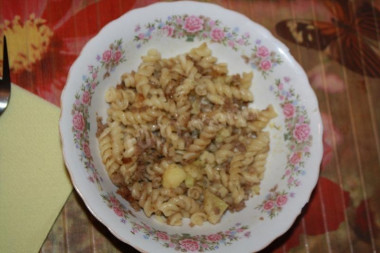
pixel 105 147
pixel 119 99
pixel 223 90
pixel 129 118
pixel 263 119
pixel 198 218
pixel 200 144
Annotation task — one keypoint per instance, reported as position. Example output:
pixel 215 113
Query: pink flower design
pixel 78 121
pixel 169 30
pixel 116 56
pixel 86 97
pixel 217 34
pixel 118 211
pixel 214 237
pixel 296 158
pixel 114 201
pixel 281 200
pixel 262 52
pixel 86 150
pixel 162 235
pixel 106 57
pixel 288 110
pixel 301 132
pixel 179 21
pixel 141 36
pixel 193 24
pixel 266 65
pixel 94 75
pixel 268 205
pixel 189 245
pixel 240 41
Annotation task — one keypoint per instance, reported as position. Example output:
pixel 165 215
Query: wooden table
pixel 344 212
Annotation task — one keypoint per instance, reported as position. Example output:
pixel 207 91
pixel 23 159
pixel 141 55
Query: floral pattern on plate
pixel 274 201
pixel 191 27
pixel 118 208
pixel 81 125
pixel 298 141
pixel 112 57
pixel 297 135
pixel 199 243
pixel 262 59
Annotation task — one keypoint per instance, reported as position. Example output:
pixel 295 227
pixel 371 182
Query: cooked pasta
pixel 180 140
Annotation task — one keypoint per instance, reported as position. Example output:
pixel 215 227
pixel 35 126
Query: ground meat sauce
pixel 124 192
pixel 100 126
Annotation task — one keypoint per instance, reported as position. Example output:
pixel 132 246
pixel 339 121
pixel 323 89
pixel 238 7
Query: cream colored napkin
pixel 34 184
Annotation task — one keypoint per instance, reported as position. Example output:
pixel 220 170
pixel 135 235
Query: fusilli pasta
pixel 180 140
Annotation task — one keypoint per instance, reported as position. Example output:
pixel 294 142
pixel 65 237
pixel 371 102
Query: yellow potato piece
pixel 193 173
pixel 173 176
pixel 189 181
pixel 214 207
pixel 194 170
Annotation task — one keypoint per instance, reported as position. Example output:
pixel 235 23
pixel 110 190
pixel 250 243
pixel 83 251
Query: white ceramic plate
pixel 173 28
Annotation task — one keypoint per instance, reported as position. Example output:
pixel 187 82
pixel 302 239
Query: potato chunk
pixel 214 207
pixel 193 173
pixel 173 176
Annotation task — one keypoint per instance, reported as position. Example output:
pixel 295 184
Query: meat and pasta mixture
pixel 180 140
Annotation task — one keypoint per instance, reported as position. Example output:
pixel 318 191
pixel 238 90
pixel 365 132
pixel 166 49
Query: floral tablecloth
pixel 339 50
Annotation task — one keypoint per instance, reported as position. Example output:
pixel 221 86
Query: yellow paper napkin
pixel 34 184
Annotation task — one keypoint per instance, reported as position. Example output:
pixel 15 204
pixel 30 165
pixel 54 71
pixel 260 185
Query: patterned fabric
pixel 45 37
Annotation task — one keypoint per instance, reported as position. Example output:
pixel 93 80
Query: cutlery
pixel 5 83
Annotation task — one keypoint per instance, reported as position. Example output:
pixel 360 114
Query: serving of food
pixel 180 139
pixel 190 128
